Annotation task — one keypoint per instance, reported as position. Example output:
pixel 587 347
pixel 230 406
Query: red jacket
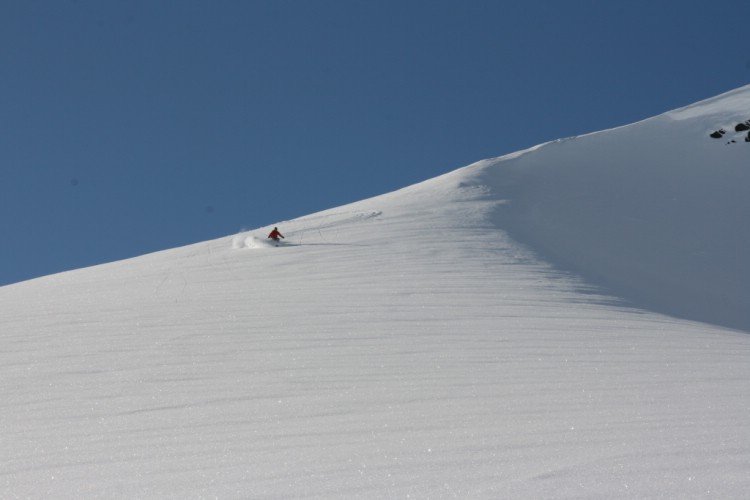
pixel 275 235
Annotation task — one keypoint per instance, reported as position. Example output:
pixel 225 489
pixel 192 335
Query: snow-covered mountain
pixel 547 324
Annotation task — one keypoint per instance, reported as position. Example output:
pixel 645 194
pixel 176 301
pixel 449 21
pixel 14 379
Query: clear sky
pixel 133 126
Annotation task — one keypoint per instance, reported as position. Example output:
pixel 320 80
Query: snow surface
pixel 519 328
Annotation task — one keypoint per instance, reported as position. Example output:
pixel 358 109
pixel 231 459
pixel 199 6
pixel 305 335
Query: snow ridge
pixel 654 211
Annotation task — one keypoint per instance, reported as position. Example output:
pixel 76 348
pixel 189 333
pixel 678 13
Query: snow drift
pixel 655 211
pixel 408 346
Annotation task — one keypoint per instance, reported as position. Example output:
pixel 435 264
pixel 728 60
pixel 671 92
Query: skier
pixel 275 235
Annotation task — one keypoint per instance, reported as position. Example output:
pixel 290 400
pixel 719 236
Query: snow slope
pixel 656 211
pixel 408 346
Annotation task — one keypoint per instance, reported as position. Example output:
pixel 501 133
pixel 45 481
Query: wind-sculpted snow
pixel 408 346
pixel 655 211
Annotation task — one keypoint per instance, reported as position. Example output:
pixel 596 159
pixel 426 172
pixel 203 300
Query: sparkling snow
pixel 435 342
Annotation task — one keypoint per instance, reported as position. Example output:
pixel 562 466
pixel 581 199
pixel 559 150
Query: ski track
pixel 302 226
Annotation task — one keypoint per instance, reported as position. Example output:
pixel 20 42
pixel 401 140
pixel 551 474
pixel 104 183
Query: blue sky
pixel 128 127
